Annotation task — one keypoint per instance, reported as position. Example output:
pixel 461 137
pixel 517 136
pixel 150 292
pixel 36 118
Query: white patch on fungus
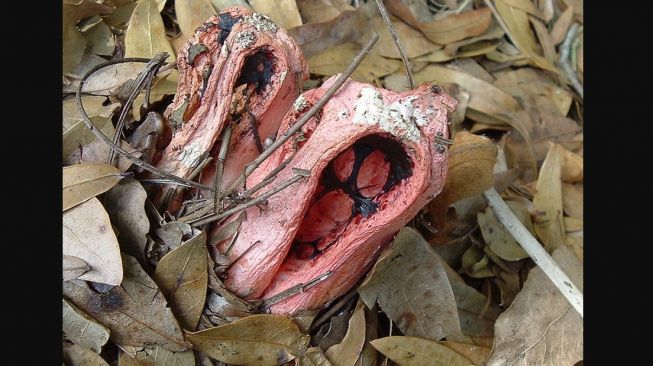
pixel 400 118
pixel 245 39
pixel 300 103
pixel 261 22
pixel 190 155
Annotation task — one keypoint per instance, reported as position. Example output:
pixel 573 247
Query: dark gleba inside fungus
pixel 353 184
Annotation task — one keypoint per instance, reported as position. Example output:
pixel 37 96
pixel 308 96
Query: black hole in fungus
pixel 257 70
pixel 226 23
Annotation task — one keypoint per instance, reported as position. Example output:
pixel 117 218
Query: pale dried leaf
pixel 73 43
pixel 336 60
pixel 100 40
pixel 84 181
pixel 83 330
pixel 87 234
pixel 79 135
pixel 561 26
pixel 182 277
pixel 74 267
pixel 347 352
pixel 314 11
pixel 255 340
pixel 313 357
pixel 541 327
pixel 76 355
pixel 410 11
pixel 547 201
pixel 413 351
pixel 543 36
pixel 158 356
pixel 571 166
pixel 493 32
pixel 135 312
pixel 412 288
pixel 97 152
pixel 413 42
pixel 369 354
pixel 498 238
pixel 191 14
pixel 220 5
pixel 125 204
pixel 455 27
pixel 526 5
pixel 314 38
pixel 145 36
pixel 476 312
pixel 572 199
pixel 93 105
pixel 283 12
pixel 107 79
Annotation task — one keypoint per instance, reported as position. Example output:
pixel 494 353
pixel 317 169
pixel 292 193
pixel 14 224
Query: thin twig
pixel 395 38
pixel 249 168
pixel 215 217
pixel 144 78
pixel 298 288
pixel 534 250
pixel 162 181
pixel 565 49
pixel 99 134
pixel 219 167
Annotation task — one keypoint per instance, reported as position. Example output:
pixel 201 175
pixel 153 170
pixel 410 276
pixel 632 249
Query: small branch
pixel 567 68
pixel 395 38
pixel 162 181
pixel 100 135
pixel 249 168
pixel 292 291
pixel 257 200
pixel 534 250
pixel 219 168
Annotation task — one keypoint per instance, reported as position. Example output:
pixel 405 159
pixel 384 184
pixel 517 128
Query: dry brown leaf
pixel 191 14
pixel 347 352
pixel 106 80
pixel 182 276
pixel 572 199
pixel 543 36
pixel 257 340
pixel 160 88
pixel 413 351
pixel 336 60
pixel 314 38
pixel 316 11
pixel 97 152
pixel 100 40
pixel 498 238
pixel 412 288
pixel 125 204
pixel 87 235
pixel 520 32
pixel 83 330
pixel 73 43
pixel 313 357
pixel 471 160
pixel 457 26
pixel 93 105
pixel 283 12
pixel 494 32
pixel 410 11
pixel 332 333
pixel 75 355
pixel 84 181
pixel 547 201
pixel 561 26
pixel 572 166
pixel 413 42
pixel 79 135
pixel 541 327
pixel 220 5
pixel 157 356
pixel 527 6
pixel 477 313
pixel 368 354
pixel 475 353
pixel 145 36
pixel 135 312
pixel 535 87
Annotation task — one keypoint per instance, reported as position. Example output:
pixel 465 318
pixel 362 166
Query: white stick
pixel 535 250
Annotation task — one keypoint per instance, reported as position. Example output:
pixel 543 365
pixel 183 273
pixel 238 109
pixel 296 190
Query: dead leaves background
pixel 455 275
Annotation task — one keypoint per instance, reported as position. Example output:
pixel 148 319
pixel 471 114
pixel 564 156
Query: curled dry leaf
pixel 74 267
pixel 135 312
pixel 313 11
pixel 347 352
pixel 83 330
pixel 498 238
pixel 571 166
pixel 87 235
pixel 541 327
pixel 257 340
pixel 413 351
pixel 561 26
pixel 547 201
pixel 145 35
pixel 74 43
pixel 84 181
pixel 471 162
pixel 572 199
pixel 283 12
pixel 191 14
pixel 125 204
pixel 158 356
pixel 413 42
pixel 457 26
pixel 100 40
pixel 333 332
pixel 336 59
pixel 76 355
pixel 411 286
pixel 182 277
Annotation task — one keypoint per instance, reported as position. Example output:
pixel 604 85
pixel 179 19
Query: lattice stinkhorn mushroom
pixel 241 68
pixel 375 159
